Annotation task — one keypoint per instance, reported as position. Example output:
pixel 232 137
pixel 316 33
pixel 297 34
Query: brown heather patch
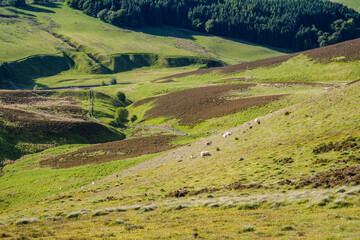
pixel 236 68
pixel 345 51
pixel 143 101
pixel 240 186
pixel 194 105
pixel 182 192
pixel 20 97
pixel 112 151
pixel 63 108
pixel 348 144
pixel 41 116
pixel 343 176
pixel 185 192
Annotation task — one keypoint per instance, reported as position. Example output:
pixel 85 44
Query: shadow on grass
pixel 34 8
pixel 188 34
pixel 21 12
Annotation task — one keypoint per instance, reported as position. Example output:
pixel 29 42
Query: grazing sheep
pixel 257 120
pixel 192 156
pixel 205 153
pixel 208 143
pixel 227 134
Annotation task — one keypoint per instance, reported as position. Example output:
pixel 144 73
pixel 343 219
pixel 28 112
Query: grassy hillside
pixel 22 38
pixel 32 121
pixel 293 173
pixel 355 4
pixel 229 50
pixel 287 173
pixel 96 47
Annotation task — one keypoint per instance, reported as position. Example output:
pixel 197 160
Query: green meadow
pixel 291 174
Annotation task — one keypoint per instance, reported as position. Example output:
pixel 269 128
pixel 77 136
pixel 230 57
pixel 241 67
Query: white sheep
pixel 205 153
pixel 227 134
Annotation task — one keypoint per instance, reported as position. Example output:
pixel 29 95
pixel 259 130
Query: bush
pixel 121 116
pixel 113 81
pixel 121 96
pixel 133 118
pixel 103 83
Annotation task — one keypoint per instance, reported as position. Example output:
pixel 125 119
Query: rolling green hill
pixel 90 46
pixel 285 175
pixel 266 148
pixel 296 163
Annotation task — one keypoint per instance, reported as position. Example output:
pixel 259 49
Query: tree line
pixel 292 24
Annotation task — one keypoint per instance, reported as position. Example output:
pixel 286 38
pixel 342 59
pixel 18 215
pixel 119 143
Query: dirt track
pixel 197 104
pixel 112 151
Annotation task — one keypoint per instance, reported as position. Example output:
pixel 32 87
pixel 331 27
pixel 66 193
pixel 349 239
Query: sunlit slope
pixel 106 39
pixel 355 4
pixel 338 62
pixel 293 162
pixel 229 50
pixel 22 38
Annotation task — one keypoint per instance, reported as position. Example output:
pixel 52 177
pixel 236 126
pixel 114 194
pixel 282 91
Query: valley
pixel 162 132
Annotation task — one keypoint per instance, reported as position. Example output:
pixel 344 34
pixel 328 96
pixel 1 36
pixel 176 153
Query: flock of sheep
pixel 225 135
